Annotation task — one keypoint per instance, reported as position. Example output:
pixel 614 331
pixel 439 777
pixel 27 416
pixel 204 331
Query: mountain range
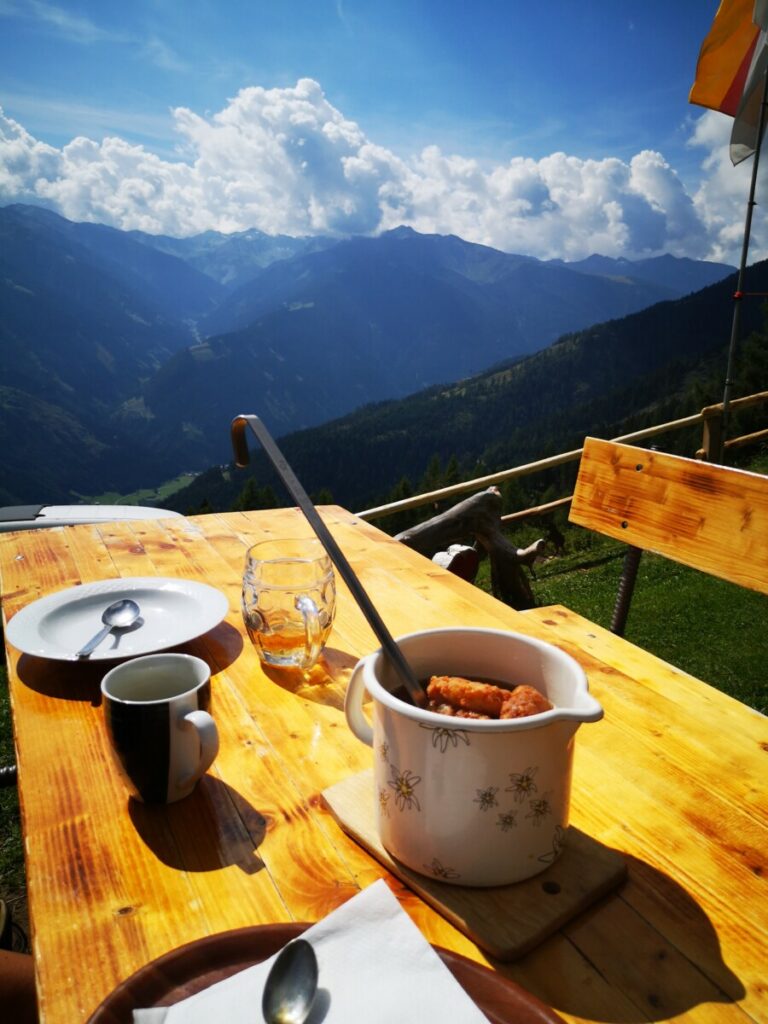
pixel 124 356
pixel 659 364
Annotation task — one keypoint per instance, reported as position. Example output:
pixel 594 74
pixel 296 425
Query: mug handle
pixel 312 645
pixel 208 735
pixel 353 705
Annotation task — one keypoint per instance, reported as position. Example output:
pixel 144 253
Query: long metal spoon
pixel 118 615
pixel 291 984
pixel 413 688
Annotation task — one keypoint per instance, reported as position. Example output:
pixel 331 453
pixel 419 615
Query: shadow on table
pixel 325 683
pixel 64 680
pixel 81 680
pixel 187 835
pixel 223 644
pixel 650 977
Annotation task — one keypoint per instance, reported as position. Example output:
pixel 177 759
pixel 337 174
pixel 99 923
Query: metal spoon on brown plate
pixel 291 985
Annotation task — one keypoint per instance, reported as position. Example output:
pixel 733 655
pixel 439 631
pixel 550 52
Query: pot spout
pixel 584 709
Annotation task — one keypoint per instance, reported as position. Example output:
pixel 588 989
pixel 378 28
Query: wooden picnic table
pixel 673 777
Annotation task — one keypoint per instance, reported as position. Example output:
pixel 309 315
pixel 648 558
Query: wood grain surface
pixel 673 777
pixel 708 517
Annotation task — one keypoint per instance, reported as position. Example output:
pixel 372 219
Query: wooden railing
pixel 711 419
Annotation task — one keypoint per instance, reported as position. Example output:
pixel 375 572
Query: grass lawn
pixel 149 495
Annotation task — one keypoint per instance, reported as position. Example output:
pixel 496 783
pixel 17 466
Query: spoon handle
pixel 413 687
pixel 94 642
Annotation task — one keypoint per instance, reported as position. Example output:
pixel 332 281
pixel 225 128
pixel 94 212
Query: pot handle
pixel 353 705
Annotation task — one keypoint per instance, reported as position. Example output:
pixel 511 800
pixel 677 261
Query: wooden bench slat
pixel 708 517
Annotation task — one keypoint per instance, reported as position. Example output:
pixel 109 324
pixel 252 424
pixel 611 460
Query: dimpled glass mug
pixel 470 801
pixel 289 601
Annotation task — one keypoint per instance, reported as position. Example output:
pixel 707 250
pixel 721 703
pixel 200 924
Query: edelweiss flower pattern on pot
pixel 507 821
pixel 523 788
pixel 522 784
pixel 404 784
pixel 558 842
pixel 442 737
pixel 384 801
pixel 439 871
pixel 539 809
pixel 487 798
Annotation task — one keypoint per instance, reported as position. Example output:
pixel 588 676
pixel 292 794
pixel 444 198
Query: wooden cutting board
pixel 505 921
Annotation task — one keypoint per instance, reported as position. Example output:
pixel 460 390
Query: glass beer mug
pixel 289 601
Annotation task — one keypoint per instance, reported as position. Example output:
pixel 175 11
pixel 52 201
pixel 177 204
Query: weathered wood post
pixel 477 519
pixel 712 434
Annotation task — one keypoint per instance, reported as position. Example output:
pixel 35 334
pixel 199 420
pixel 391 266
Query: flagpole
pixel 738 295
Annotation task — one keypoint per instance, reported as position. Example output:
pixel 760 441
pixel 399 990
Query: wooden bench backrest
pixel 709 517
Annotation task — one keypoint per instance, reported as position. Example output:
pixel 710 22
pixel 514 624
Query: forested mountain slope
pixel 662 362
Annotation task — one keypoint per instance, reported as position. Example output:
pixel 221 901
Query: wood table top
pixel 673 777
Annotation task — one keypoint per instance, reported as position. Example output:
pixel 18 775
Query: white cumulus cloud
pixel 721 199
pixel 285 160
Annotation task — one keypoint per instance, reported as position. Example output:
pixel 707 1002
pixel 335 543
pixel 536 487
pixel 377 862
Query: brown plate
pixel 193 967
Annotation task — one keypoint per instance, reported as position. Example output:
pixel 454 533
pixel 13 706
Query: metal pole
pixel 739 293
pixel 626 589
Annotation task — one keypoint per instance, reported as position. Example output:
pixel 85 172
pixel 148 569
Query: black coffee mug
pixel 156 710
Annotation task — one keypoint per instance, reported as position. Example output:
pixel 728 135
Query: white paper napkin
pixel 374 965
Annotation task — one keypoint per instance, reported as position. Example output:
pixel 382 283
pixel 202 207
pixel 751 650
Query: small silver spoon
pixel 118 615
pixel 291 985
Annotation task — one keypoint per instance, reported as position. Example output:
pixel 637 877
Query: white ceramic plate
pixel 172 612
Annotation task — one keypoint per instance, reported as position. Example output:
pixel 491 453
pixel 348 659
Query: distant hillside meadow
pixel 124 356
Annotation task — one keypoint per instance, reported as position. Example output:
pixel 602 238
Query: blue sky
pixel 550 128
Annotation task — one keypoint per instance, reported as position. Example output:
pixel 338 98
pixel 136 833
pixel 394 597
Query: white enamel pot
pixel 470 801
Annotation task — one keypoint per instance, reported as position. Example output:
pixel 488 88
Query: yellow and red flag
pixel 731 69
